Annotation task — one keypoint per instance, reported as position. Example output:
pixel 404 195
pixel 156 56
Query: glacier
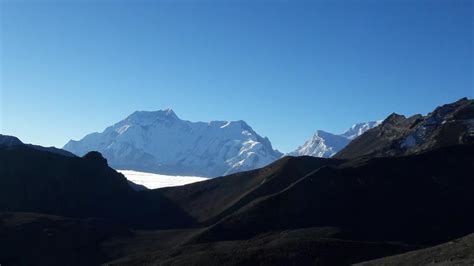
pixel 152 181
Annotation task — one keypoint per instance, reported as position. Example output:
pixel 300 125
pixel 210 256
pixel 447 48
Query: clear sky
pixel 288 68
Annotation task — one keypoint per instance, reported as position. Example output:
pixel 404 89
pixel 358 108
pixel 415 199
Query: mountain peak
pixel 322 133
pixel 160 142
pixel 149 117
pixel 326 144
pixel 358 129
pixel 169 112
pixel 393 118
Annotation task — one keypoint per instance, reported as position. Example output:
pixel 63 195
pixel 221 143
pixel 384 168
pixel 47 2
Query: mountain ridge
pixel 12 141
pixel 325 144
pixel 446 125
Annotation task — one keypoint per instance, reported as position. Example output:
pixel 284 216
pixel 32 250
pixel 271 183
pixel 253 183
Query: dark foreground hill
pixel 456 252
pixel 419 199
pixel 39 239
pixel 34 180
pixel 339 214
pixel 303 211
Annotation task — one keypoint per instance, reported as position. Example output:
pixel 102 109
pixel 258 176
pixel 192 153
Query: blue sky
pixel 288 68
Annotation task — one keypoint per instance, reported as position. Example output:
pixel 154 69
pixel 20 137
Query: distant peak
pixel 322 133
pixel 326 136
pixel 165 113
pixel 169 111
pixel 360 128
pixel 242 123
pixel 151 116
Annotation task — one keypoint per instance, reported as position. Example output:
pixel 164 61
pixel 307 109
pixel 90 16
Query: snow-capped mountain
pixel 321 144
pixel 359 129
pixel 162 143
pixel 325 144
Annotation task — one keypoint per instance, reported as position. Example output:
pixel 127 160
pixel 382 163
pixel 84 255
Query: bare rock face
pixel 447 125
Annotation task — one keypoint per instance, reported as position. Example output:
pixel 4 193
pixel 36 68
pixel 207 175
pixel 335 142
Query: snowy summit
pixel 325 144
pixel 160 142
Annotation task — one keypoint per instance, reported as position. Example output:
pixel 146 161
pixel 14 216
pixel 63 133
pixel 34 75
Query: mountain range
pixel 160 142
pixel 376 198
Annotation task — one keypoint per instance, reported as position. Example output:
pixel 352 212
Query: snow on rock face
pixel 160 142
pixel 325 144
pixel 321 144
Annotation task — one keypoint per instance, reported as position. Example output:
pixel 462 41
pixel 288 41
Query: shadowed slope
pixel 210 200
pixel 308 246
pixel 415 199
pixel 456 252
pixel 38 239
